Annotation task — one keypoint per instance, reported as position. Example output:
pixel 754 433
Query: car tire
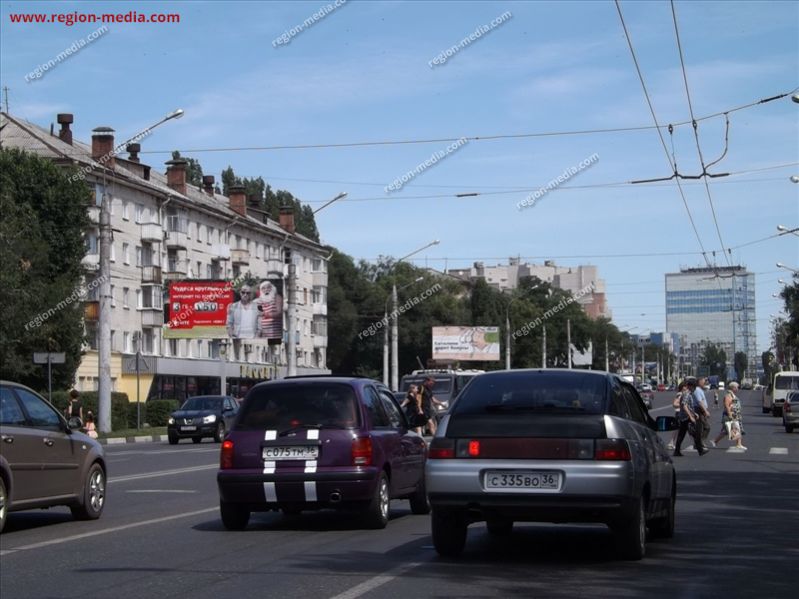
pixel 234 516
pixel 631 533
pixel 196 439
pixel 449 531
pixel 500 527
pixel 419 503
pixel 664 527
pixel 220 432
pixel 93 499
pixel 3 504
pixel 377 512
pixel 173 439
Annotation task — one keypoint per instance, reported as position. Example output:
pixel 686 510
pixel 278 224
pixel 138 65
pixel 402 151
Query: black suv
pixel 202 416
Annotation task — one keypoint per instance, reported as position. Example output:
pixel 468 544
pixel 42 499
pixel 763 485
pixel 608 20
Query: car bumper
pixel 791 418
pixel 308 490
pixel 205 430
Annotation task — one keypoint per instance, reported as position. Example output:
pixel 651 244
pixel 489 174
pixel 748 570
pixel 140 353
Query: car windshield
pixel 440 386
pixel 202 403
pixel 536 391
pixel 293 405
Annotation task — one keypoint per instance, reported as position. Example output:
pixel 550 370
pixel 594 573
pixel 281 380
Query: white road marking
pixel 160 491
pixel 122 479
pixel 375 582
pixel 778 451
pixel 270 493
pixel 95 533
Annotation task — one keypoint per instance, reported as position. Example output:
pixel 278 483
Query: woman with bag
pixel 413 409
pixel 731 418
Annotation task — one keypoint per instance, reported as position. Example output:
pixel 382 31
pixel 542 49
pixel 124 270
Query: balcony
pixel 91 310
pixel 176 269
pixel 319 309
pixel 151 274
pixel 320 340
pixel 240 257
pixel 319 279
pixel 94 214
pixel 220 251
pixel 152 232
pixel 152 317
pixel 91 262
pixel 176 232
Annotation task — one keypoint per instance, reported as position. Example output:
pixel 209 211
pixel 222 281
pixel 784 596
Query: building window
pixel 125 294
pixel 189 229
pixel 199 269
pixel 125 253
pixel 151 297
pixel 139 213
pixel 113 338
pixel 91 334
pixel 125 210
pixel 172 347
pixel 138 298
pixel 138 255
pixel 148 341
pixel 92 243
pixel 208 272
pixel 113 298
pixel 209 231
pixel 317 265
pixel 318 295
pixel 113 252
pixel 126 343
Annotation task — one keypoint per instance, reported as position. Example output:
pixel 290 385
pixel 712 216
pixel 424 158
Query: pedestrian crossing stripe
pixel 778 451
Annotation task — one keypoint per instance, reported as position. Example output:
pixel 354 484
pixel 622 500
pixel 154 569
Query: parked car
pixel 551 446
pixel 202 416
pixel 790 411
pixel 45 460
pixel 309 443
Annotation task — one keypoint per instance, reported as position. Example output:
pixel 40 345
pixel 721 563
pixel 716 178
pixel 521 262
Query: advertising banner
pixel 197 309
pixel 479 344
pixel 258 312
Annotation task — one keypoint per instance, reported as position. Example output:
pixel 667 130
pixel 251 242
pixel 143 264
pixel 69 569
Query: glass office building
pixel 713 305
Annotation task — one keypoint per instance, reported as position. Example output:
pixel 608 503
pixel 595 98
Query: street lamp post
pixel 385 330
pixel 394 320
pixel 104 317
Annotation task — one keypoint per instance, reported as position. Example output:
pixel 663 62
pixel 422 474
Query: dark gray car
pixel 44 460
pixel 202 416
pixel 550 446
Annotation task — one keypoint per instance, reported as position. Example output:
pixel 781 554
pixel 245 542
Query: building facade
pixel 165 229
pixel 713 305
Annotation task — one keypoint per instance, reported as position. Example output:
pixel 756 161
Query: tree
pixel 42 231
pixel 715 359
pixel 741 362
pixel 790 328
pixel 194 172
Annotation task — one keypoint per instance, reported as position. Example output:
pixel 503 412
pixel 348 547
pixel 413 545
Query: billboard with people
pixel 258 312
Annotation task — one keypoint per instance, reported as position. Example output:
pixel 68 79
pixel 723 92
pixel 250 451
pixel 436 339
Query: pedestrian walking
pixel 75 405
pixel 689 421
pixel 412 404
pixel 676 405
pixel 731 426
pixel 429 403
pixel 700 405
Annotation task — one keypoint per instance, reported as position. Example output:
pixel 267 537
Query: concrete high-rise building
pixel 713 305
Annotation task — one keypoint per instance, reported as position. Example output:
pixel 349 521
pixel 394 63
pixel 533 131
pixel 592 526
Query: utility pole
pixel 544 348
pixel 104 341
pixel 394 339
pixel 507 339
pixel 385 348
pixel 291 342
pixel 607 357
pixel 569 342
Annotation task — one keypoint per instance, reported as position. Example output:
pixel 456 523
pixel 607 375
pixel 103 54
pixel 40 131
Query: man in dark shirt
pixel 429 403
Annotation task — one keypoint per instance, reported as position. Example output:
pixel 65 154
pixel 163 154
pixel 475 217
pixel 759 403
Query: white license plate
pixel 188 428
pixel 521 479
pixel 297 452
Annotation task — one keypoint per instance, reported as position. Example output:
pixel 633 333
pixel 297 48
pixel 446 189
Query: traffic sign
pixel 51 358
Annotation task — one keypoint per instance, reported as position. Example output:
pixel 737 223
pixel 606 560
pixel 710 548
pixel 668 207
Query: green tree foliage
pixel 43 220
pixel 194 172
pixel 741 362
pixel 715 360
pixel 790 329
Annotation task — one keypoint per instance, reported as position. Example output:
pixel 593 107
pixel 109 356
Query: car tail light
pixel 474 449
pixel 612 450
pixel 787 406
pixel 226 455
pixel 362 451
pixel 441 449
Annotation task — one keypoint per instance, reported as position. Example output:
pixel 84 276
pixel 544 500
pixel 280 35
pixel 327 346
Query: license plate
pixel 521 479
pixel 188 428
pixel 296 452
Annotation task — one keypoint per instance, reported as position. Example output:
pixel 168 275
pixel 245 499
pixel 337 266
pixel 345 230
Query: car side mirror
pixel 75 423
pixel 666 423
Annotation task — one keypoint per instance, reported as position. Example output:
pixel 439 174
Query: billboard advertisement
pixel 257 312
pixel 197 309
pixel 479 344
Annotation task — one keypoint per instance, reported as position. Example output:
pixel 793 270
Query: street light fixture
pixel 785 230
pixel 326 204
pixel 104 316
pixel 394 321
pixel 781 265
pixel 795 178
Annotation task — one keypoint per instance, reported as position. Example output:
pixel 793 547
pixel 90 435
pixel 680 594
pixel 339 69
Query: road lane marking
pixel 376 581
pixel 96 533
pixel 160 491
pixel 778 451
pixel 122 479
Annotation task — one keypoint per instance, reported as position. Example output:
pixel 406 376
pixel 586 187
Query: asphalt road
pixel 161 536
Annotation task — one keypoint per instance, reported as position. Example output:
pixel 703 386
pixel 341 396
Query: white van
pixel 784 382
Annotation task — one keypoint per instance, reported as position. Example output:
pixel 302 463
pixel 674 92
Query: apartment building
pixel 165 229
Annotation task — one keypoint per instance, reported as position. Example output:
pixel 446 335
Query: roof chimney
pixel 238 199
pixel 134 150
pixel 65 120
pixel 287 218
pixel 176 175
pixel 103 146
pixel 208 184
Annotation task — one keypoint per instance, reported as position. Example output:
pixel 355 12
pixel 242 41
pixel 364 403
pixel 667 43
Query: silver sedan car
pixel 551 446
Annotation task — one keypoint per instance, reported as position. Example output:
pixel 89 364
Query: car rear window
pixel 545 392
pixel 291 405
pixel 202 403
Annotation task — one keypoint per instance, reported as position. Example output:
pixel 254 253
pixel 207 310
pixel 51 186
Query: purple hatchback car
pixel 309 443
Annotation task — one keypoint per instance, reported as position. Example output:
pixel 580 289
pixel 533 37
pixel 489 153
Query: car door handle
pixel 48 441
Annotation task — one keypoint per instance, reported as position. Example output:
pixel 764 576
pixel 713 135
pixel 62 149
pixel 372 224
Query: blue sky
pixel 361 74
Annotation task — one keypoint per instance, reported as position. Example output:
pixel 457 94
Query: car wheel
pixel 419 503
pixel 3 504
pixel 234 517
pixel 631 534
pixel 449 531
pixel 93 499
pixel 499 527
pixel 220 432
pixel 196 439
pixel 664 527
pixel 377 512
pixel 173 439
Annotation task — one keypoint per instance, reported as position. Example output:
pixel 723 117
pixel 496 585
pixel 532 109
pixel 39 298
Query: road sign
pixel 42 358
pixel 145 365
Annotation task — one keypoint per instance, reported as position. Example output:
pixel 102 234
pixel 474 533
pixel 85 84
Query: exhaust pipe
pixel 335 497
